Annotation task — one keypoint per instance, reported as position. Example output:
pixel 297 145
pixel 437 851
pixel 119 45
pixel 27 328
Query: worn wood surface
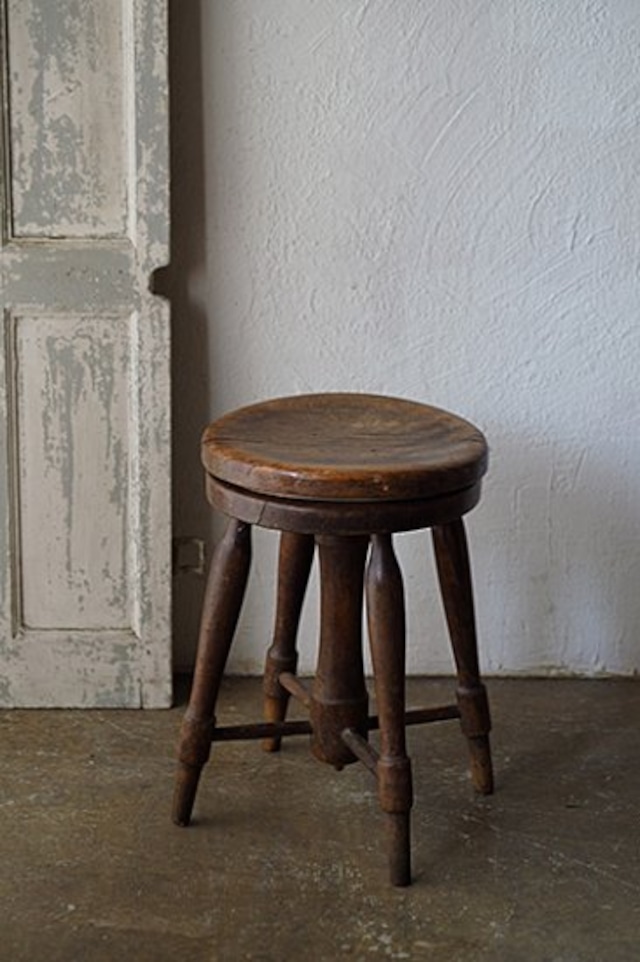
pixel 454 573
pixel 344 472
pixel 348 447
pixel 294 565
pixel 223 599
pixel 341 518
pixel 386 620
pixel 339 697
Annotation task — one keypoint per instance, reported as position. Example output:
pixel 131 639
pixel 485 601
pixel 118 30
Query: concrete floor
pixel 285 860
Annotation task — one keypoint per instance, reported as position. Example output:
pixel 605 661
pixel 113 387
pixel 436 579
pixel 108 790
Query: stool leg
pixel 222 602
pixel 386 620
pixel 339 697
pixel 294 565
pixel 452 558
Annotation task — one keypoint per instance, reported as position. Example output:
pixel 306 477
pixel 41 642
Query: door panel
pixel 68 94
pixel 72 414
pixel 84 385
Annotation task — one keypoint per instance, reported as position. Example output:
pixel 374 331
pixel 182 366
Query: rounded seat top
pixel 344 447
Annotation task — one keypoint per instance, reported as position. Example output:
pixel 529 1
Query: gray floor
pixel 285 860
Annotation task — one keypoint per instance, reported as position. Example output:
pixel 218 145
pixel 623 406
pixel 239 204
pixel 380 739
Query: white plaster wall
pixel 441 201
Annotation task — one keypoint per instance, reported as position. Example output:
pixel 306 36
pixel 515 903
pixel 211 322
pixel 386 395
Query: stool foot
pixel 220 611
pixel 454 573
pixel 193 753
pixel 481 765
pixel 184 796
pixel 275 710
pixel 294 565
pixel 399 847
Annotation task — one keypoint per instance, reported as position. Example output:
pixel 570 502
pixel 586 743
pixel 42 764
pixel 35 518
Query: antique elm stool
pixel 343 472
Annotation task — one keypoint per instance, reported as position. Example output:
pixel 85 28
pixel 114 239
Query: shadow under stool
pixel 342 472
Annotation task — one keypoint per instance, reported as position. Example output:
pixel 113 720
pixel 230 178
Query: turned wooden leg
pixel 452 558
pixel 386 620
pixel 222 602
pixel 339 696
pixel 294 565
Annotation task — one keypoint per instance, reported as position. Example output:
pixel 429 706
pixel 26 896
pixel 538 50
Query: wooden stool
pixel 343 472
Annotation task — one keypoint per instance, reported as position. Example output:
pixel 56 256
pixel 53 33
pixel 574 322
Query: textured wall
pixel 437 200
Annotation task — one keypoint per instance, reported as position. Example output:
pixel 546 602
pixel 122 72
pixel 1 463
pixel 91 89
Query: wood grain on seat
pixel 359 447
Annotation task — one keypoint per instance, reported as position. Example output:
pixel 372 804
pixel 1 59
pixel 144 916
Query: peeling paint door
pixel 84 385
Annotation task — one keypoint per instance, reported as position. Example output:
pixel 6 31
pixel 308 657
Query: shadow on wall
pixel 555 599
pixel 189 330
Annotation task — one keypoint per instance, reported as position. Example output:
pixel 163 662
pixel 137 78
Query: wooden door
pixel 84 379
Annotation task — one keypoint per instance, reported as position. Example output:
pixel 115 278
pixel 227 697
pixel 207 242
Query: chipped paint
pixel 84 467
pixel 73 422
pixel 68 123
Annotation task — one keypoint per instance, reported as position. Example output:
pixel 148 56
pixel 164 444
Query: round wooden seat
pixel 339 475
pixel 344 447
